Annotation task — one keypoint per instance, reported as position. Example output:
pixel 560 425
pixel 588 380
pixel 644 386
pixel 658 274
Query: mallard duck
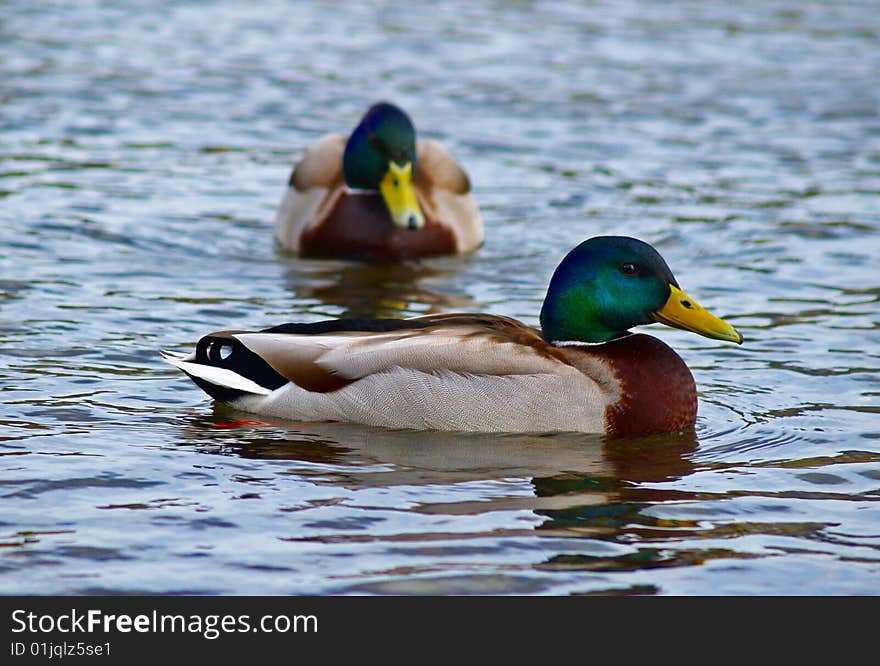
pixel 582 371
pixel 379 195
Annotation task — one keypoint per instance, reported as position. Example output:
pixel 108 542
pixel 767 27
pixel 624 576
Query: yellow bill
pixel 400 196
pixel 682 311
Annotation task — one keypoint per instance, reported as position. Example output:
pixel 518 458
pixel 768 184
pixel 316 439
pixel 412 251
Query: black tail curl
pixel 221 350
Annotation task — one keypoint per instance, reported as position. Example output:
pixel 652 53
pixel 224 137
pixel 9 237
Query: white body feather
pixel 444 400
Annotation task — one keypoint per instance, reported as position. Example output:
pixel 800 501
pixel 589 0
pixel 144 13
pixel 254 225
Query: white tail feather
pixel 180 356
pixel 218 376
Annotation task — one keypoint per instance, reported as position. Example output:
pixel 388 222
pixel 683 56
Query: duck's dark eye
pixel 376 143
pixel 629 269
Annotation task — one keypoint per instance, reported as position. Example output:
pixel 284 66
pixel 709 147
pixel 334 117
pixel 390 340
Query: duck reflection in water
pixel 566 470
pixel 363 290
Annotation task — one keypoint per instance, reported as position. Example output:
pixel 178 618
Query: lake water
pixel 144 148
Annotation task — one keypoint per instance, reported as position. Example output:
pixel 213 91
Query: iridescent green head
pixel 381 155
pixel 608 284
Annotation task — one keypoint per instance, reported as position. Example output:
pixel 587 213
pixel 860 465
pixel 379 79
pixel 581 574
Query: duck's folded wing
pixel 437 168
pixel 317 175
pixel 444 191
pixel 321 166
pixel 327 356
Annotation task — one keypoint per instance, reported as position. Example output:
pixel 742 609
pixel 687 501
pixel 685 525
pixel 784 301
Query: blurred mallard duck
pixel 379 195
pixel 582 371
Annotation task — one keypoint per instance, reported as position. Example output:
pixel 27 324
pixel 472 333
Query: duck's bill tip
pixel 682 311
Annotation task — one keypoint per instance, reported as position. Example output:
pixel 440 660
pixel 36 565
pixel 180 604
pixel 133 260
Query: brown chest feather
pixel 359 227
pixel 658 393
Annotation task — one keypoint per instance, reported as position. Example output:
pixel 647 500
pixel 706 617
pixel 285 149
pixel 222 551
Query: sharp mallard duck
pixel 583 370
pixel 379 195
